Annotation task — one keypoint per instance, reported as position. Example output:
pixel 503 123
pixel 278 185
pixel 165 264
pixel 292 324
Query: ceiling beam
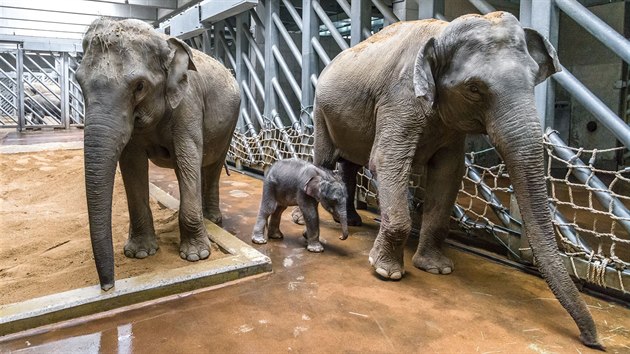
pixel 43 26
pixel 44 16
pixel 164 4
pixel 85 7
pixel 13 32
pixel 43 44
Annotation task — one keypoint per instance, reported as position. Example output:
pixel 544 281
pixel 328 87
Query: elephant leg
pixel 393 167
pixel 274 223
pixel 348 171
pixel 268 206
pixel 443 174
pixel 134 168
pixel 210 176
pixel 194 242
pixel 311 220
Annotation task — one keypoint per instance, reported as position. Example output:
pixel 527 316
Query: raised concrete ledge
pixel 16 149
pixel 243 261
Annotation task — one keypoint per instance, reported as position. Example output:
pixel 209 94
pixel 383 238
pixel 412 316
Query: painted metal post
pixel 544 19
pixel 65 97
pixel 430 8
pixel 242 47
pixel 19 80
pixel 360 17
pixel 219 52
pixel 206 41
pixel 271 67
pixel 310 30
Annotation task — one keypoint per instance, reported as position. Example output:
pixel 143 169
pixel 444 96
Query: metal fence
pixel 38 89
pixel 278 49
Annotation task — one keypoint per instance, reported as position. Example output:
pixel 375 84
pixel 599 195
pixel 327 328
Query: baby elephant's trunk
pixel 343 220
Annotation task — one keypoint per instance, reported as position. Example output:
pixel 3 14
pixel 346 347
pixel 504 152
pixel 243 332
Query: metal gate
pixel 38 89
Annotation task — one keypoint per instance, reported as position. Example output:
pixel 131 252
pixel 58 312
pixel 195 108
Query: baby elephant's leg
pixel 274 223
pixel 311 219
pixel 267 207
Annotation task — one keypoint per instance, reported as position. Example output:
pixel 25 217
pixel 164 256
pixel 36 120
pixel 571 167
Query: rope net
pixel 585 228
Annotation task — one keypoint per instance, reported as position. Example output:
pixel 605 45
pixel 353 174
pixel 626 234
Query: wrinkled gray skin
pixel 406 97
pixel 40 101
pixel 150 96
pixel 297 182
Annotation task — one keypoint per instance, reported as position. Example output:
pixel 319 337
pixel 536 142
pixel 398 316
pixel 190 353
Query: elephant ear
pixel 541 50
pixel 311 188
pixel 178 64
pixel 423 80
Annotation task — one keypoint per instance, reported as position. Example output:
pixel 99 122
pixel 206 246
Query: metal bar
pixel 310 33
pixel 19 65
pixel 287 39
pixel 227 51
pixel 287 72
pixel 323 56
pixel 345 7
pixel 341 42
pixel 594 105
pixel 254 76
pixel 314 80
pixel 598 28
pixel 567 230
pixel 250 97
pixel 259 55
pixel 482 6
pixel 490 197
pixel 271 67
pixel 54 81
pixel 283 132
pixel 360 18
pixel 584 174
pixel 257 19
pixel 242 47
pixel 386 11
pixel 430 8
pixel 284 101
pixel 525 13
pixel 65 98
pixel 293 12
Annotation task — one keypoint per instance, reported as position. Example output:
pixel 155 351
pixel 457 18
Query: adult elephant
pixel 150 96
pixel 407 96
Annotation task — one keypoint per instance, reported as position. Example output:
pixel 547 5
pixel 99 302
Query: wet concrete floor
pixel 333 302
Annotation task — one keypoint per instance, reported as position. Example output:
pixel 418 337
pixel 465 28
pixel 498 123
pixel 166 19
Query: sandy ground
pixel 44 234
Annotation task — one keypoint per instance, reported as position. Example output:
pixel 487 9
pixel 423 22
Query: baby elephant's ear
pixel 311 187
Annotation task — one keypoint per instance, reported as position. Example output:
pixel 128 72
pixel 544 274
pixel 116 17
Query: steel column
pixel 65 97
pixel 360 17
pixel 544 18
pixel 430 8
pixel 19 80
pixel 242 48
pixel 271 67
pixel 310 31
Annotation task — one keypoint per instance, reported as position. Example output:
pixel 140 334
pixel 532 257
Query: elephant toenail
pixel 182 255
pixel 152 251
pixel 193 257
pixel 382 272
pixel 396 276
pixel 129 254
pixel 447 270
pixel 204 254
pixel 433 271
pixel 142 254
pixel 371 260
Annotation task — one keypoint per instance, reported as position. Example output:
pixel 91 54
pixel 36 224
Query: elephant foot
pixel 276 235
pixel 296 216
pixel 214 216
pixel 354 219
pixel 315 247
pixel 194 248
pixel 433 262
pixel 259 239
pixel 387 261
pixel 141 247
pixel 590 340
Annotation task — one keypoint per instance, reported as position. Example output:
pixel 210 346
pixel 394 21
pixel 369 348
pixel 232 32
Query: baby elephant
pixel 296 182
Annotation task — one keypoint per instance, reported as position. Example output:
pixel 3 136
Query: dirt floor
pixel 44 234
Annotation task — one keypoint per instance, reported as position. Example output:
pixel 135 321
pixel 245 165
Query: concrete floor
pixel 333 302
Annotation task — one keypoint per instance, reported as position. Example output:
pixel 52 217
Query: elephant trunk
pixel 103 143
pixel 343 220
pixel 518 138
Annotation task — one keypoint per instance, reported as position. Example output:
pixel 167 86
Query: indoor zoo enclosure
pixel 277 48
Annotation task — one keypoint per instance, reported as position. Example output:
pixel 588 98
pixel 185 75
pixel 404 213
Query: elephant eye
pixel 140 86
pixel 473 88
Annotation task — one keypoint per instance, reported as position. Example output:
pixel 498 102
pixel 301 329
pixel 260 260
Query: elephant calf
pixel 297 182
pixel 149 96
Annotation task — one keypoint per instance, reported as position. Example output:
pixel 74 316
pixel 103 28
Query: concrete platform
pixel 334 303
